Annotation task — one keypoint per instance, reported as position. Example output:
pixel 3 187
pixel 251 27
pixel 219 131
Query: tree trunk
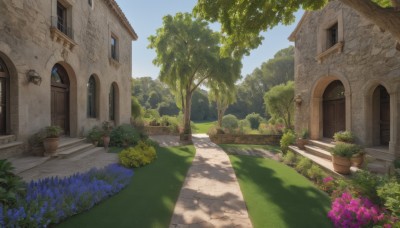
pixel 386 18
pixel 187 130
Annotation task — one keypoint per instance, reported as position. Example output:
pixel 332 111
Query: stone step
pixel 24 163
pixel 380 154
pixel 4 139
pixel 322 144
pixel 75 150
pixel 87 153
pixel 66 143
pixel 11 149
pixel 317 151
pixel 376 167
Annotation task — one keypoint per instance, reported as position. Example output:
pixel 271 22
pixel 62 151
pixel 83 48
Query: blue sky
pixel 146 17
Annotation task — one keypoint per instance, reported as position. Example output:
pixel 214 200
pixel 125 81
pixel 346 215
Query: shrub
pixel 271 129
pixel 390 195
pixel 10 184
pixel 303 134
pixel 315 173
pixel 345 150
pixel 287 139
pixel 124 135
pixel 366 184
pixel 170 122
pixel 230 122
pixel 151 114
pixel 94 134
pixel 244 127
pixel 52 131
pixel 52 200
pixel 254 119
pixel 344 136
pixel 303 165
pixel 290 158
pixel 352 212
pixel 137 156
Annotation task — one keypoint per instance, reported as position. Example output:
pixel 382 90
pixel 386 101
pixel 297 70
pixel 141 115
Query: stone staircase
pixel 10 147
pixel 379 160
pixel 68 148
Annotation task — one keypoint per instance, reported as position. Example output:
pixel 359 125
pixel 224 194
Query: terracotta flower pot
pixel 50 146
pixel 357 160
pixel 301 143
pixel 341 164
pixel 106 141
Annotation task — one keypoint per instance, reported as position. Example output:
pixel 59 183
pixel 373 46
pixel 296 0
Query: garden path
pixel 210 196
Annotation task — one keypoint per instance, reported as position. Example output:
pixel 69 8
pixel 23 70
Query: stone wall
pixel 246 139
pixel 26 43
pixel 367 59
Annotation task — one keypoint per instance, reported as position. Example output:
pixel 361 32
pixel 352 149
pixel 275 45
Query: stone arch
pixel 115 88
pixel 316 112
pixel 370 102
pixel 12 106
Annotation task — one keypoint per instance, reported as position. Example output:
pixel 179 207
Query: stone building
pixel 347 77
pixel 63 62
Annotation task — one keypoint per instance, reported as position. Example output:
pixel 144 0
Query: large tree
pixel 188 53
pixel 243 20
pixel 223 96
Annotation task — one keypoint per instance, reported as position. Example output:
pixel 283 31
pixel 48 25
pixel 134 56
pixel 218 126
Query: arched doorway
pixel 381 116
pixel 4 97
pixel 60 98
pixel 334 109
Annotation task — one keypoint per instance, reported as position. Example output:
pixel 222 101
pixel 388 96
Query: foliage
pixel 303 134
pixel 136 108
pixel 271 129
pixel 289 158
pixel 244 126
pixel 279 102
pixel 344 136
pixel 345 150
pixel 94 134
pixel 223 96
pixel 52 131
pixel 366 184
pixel 124 135
pixel 315 173
pixel 230 122
pixel 171 122
pixel 107 127
pixel 10 184
pixel 390 195
pixel 353 212
pixel 200 109
pixel 255 119
pixel 303 165
pixel 151 114
pixel 287 139
pixel 188 54
pixel 138 156
pixel 51 200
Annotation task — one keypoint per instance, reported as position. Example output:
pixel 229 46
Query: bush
pixel 230 122
pixel 366 184
pixel 244 127
pixel 137 156
pixel 303 134
pixel 53 199
pixel 316 173
pixel 124 135
pixel 136 108
pixel 287 139
pixel 255 119
pixel 345 150
pixel 390 195
pixel 290 158
pixel 94 134
pixel 303 165
pixel 11 185
pixel 344 136
pixel 171 122
pixel 271 129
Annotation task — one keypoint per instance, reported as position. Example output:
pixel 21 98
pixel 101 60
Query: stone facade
pixel 31 40
pixel 363 58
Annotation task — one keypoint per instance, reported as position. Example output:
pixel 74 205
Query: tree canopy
pixel 243 20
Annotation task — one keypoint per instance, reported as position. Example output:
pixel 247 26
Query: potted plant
pixel 50 143
pixel 302 139
pixel 357 159
pixel 344 136
pixel 341 154
pixel 94 135
pixel 107 127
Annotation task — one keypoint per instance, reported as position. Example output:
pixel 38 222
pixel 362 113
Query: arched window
pixel 91 105
pixel 111 102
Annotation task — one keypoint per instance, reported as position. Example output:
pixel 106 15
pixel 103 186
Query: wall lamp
pixel 34 77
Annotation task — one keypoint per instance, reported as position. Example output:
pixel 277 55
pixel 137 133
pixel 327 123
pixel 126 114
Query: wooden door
pixel 384 117
pixel 60 98
pixel 334 109
pixel 3 98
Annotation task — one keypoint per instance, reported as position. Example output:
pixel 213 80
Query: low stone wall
pixel 157 130
pixel 246 139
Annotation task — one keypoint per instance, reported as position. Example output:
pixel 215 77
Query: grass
pixel 149 200
pixel 228 147
pixel 277 196
pixel 202 127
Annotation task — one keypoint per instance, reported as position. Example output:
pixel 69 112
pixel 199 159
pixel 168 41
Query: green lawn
pixel 202 127
pixel 227 147
pixel 277 196
pixel 149 200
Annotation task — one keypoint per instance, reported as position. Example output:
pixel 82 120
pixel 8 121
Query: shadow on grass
pixel 277 196
pixel 148 201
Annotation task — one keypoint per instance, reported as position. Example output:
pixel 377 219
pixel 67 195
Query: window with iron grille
pixel 61 18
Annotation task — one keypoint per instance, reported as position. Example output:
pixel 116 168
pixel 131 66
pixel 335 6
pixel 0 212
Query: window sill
pixel 337 48
pixel 113 62
pixel 62 38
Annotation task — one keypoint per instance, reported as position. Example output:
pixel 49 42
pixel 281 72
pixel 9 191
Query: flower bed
pixel 53 199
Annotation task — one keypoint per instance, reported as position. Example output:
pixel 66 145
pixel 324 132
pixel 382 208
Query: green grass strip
pixel 277 196
pixel 202 127
pixel 149 200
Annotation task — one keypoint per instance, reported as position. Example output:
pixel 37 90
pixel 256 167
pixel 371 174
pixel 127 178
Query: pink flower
pixel 328 179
